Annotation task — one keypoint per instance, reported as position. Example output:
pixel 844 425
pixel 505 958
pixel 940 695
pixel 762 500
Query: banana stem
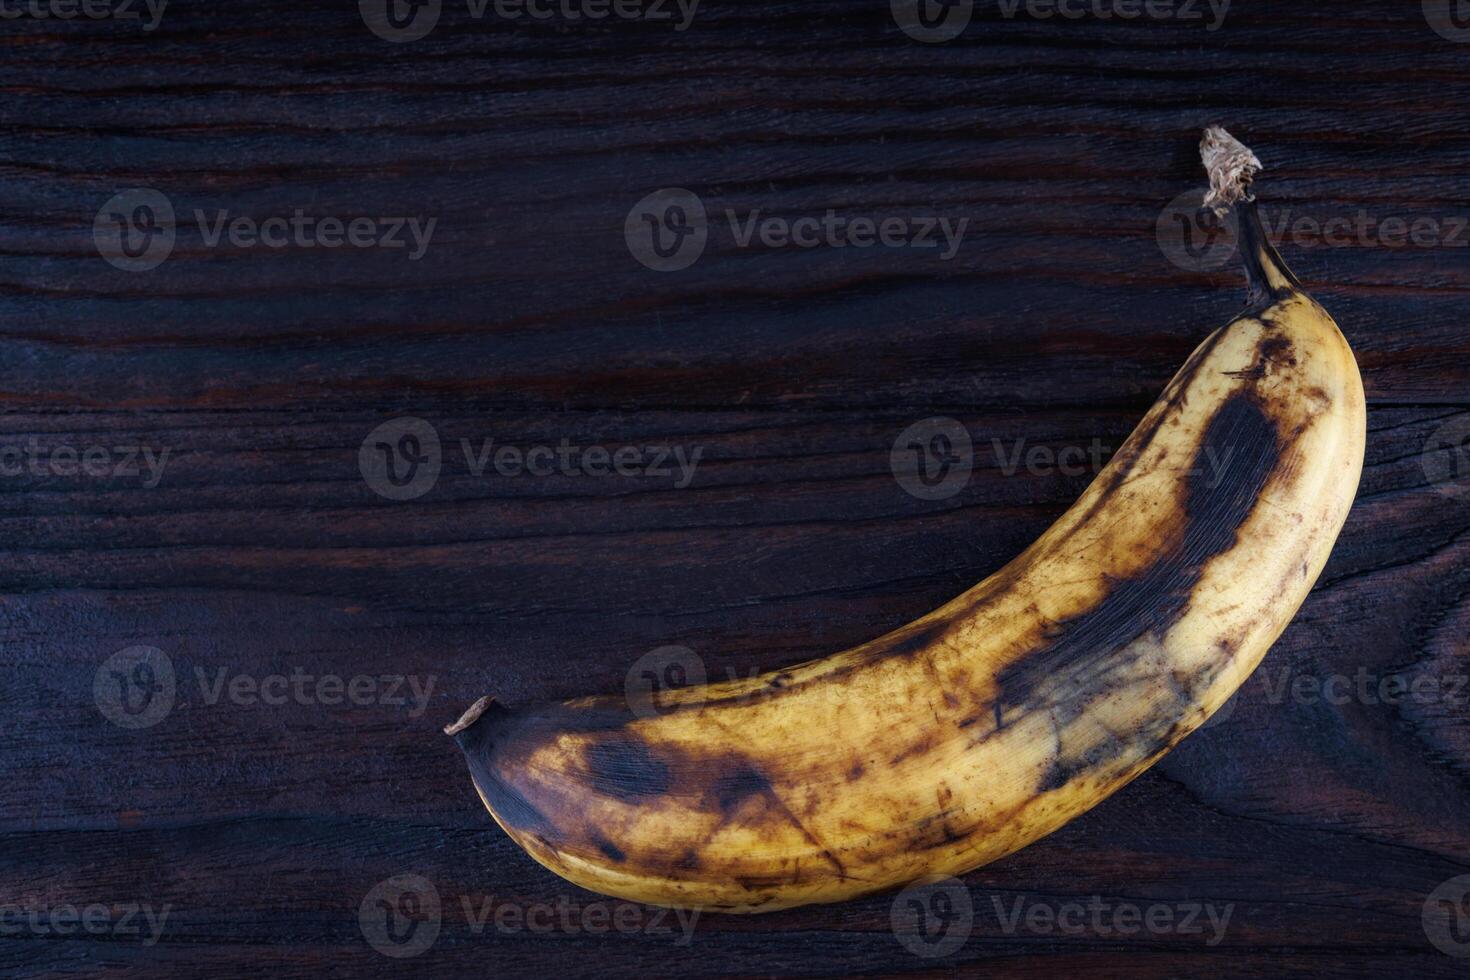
pixel 472 714
pixel 1232 167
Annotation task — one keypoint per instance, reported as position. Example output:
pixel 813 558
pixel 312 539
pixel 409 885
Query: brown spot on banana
pixel 998 717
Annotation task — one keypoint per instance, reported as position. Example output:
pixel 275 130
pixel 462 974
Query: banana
pixel 1012 709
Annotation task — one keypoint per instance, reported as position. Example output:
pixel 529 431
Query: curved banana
pixel 1008 711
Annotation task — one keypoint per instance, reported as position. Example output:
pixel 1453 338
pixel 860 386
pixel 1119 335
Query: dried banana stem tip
pixel 471 715
pixel 1231 166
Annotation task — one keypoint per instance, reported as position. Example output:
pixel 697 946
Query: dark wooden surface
pixel 262 550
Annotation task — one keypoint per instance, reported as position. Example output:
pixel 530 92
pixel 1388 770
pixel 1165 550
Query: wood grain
pixel 1323 822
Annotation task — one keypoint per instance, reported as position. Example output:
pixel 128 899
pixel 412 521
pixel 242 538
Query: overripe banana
pixel 1008 711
